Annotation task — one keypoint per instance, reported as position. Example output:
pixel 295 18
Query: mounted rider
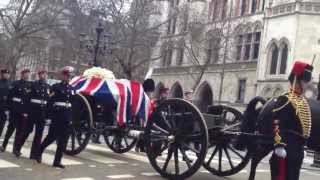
pixel 291 125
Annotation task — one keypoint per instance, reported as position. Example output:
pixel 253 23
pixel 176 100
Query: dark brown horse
pixel 259 120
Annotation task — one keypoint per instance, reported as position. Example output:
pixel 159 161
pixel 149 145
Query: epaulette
pixel 283 98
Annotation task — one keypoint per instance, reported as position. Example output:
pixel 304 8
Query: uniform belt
pixel 38 101
pixel 63 104
pixel 17 99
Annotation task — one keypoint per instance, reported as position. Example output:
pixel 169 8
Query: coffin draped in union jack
pixel 127 96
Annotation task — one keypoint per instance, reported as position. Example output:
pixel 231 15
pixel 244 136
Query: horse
pixel 259 120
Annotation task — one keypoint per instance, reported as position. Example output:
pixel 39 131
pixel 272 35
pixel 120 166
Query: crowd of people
pixel 26 105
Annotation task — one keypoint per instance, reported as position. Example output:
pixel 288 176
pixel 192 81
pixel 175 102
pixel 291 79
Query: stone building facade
pixel 258 41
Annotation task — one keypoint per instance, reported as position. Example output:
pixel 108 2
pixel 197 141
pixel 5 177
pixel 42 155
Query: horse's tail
pixel 248 124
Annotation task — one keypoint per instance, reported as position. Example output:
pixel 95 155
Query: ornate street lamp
pixel 101 46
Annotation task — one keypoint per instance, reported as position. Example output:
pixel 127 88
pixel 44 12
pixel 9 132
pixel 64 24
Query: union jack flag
pixel 128 96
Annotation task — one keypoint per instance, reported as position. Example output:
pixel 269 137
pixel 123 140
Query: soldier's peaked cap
pixel 25 71
pixel 3 71
pixel 42 71
pixel 67 70
pixel 302 71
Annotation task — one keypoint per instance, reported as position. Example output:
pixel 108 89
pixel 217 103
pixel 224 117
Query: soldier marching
pixel 60 113
pixel 29 104
pixel 5 85
pixel 39 97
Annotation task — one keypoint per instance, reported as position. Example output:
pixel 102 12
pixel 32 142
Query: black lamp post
pixel 101 44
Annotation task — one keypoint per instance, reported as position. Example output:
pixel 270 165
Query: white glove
pixel 280 152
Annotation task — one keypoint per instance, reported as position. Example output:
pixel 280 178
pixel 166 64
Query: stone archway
pixel 156 94
pixel 204 97
pixel 176 91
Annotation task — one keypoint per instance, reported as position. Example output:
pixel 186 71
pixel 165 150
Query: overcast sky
pixel 3 2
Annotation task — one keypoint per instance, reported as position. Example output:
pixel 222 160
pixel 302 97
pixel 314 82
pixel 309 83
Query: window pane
pixel 247 52
pixel 209 55
pixel 257 37
pixel 215 10
pixel 249 38
pixel 253 6
pixel 181 56
pixel 239 49
pixel 256 51
pixel 224 9
pixel 185 21
pixel 168 60
pixel 164 60
pixel 274 60
pixel 243 7
pixel 174 23
pixel 169 27
pixel 240 39
pixel 241 90
pixel 216 54
pixel 284 58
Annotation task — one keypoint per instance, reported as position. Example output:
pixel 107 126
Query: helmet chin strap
pixel 294 86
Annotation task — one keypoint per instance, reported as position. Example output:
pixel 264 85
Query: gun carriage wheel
pixel 176 139
pixel 81 125
pixel 119 141
pixel 223 158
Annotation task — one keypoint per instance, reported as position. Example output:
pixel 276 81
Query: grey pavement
pixel 98 162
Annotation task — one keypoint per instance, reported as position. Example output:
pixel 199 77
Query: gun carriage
pixel 178 139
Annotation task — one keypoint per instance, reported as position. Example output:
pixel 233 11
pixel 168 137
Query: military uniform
pixel 39 97
pixel 60 114
pixel 5 86
pixel 292 128
pixel 19 109
pixel 18 103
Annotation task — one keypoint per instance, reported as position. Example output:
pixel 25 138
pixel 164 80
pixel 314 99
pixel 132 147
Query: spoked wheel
pixel 223 159
pixel 176 139
pixel 81 124
pixel 119 141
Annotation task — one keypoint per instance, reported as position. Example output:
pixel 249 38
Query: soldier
pixel 60 114
pixel 18 103
pixel 291 126
pixel 163 95
pixel 5 85
pixel 38 106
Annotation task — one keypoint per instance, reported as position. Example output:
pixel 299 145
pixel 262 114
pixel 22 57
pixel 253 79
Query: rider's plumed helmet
pixel 301 71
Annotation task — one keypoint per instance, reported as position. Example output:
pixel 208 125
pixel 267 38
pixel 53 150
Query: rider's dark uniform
pixel 292 127
pixel 5 86
pixel 60 114
pixel 39 97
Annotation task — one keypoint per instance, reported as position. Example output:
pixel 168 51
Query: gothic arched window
pixel 284 58
pixel 278 56
pixel 274 59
